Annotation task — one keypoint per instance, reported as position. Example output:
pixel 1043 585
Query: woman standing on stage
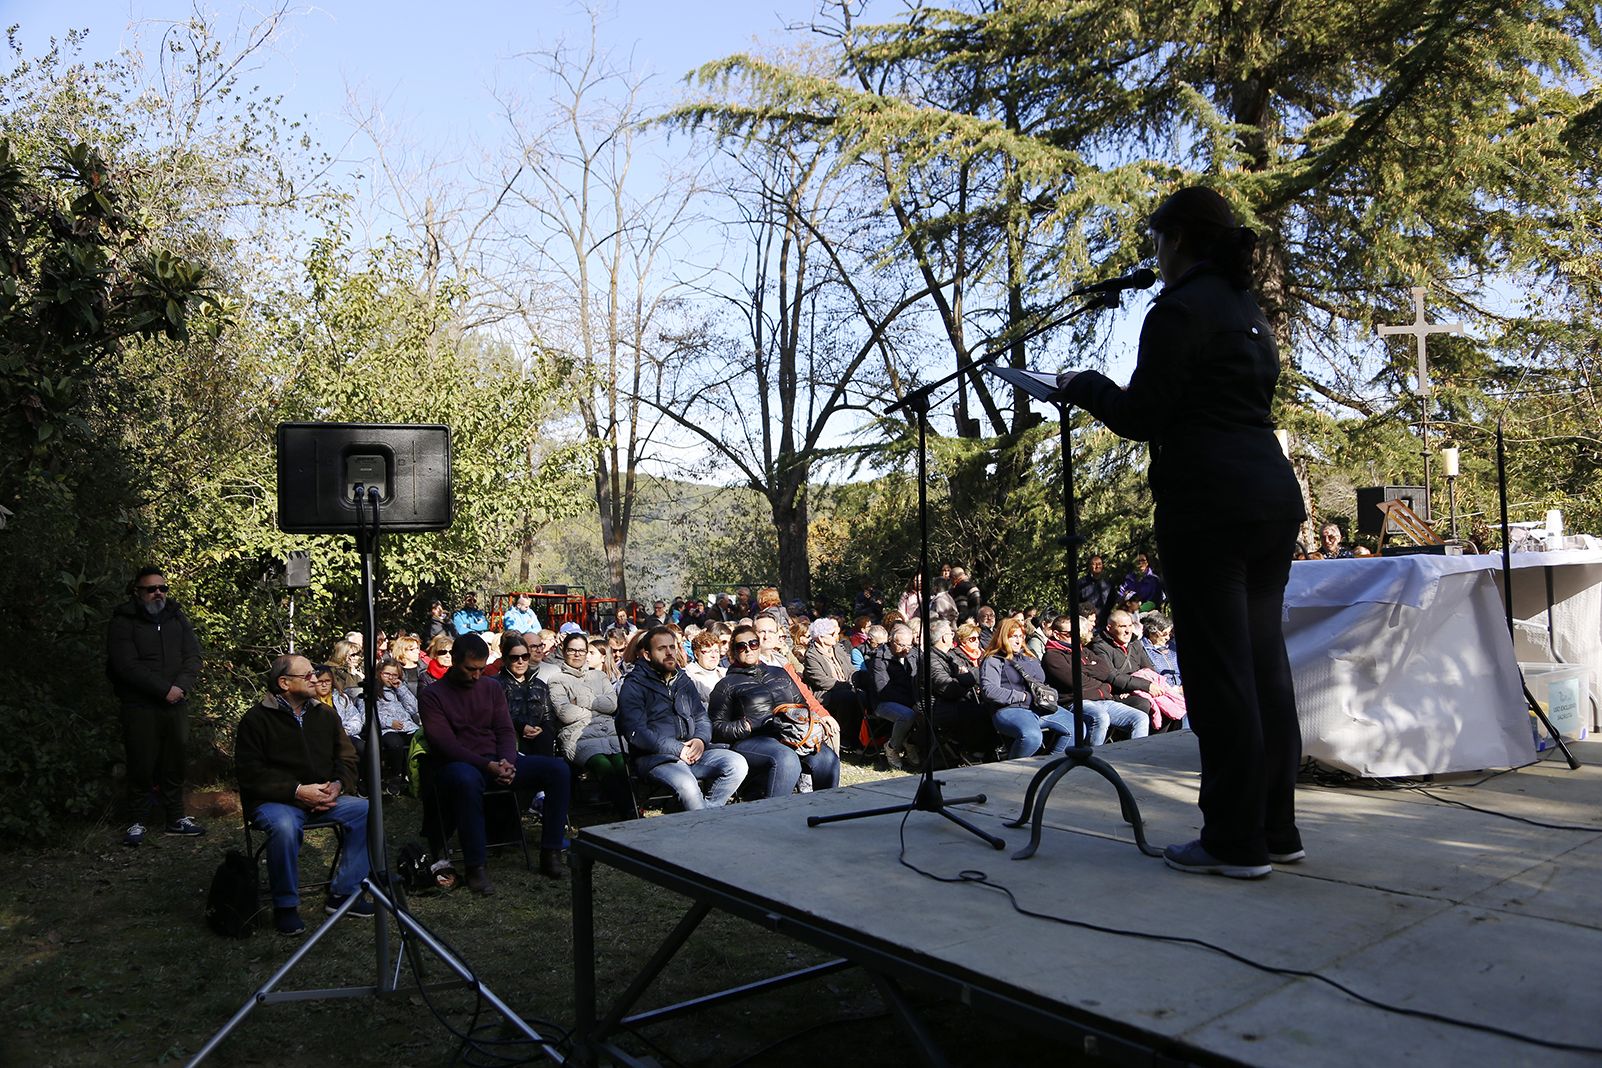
pixel 1228 508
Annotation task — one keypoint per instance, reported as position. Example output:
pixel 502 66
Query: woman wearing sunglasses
pixel 746 709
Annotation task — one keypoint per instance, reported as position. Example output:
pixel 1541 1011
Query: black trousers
pixel 153 737
pixel 1227 585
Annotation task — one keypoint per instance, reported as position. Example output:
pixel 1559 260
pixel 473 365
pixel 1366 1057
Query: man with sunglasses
pixel 152 659
pixel 295 761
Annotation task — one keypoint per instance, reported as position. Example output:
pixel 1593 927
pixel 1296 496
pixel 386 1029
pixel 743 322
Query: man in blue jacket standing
pixel 659 712
pixel 469 619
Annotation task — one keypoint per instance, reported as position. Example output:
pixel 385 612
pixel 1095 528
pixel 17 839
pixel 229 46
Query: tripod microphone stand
pixel 930 796
pixel 388 895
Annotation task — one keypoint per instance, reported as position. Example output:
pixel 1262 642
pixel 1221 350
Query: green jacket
pixel 274 753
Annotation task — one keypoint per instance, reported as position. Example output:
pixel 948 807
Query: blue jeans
pixel 722 769
pixel 460 789
pixel 901 719
pixel 1028 730
pixel 1118 714
pixel 780 767
pixel 285 826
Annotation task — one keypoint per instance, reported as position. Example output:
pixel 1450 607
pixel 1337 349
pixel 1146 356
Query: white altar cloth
pixel 1404 667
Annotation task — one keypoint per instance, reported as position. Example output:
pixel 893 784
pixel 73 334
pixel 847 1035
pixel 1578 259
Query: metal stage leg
pixel 928 1049
pixel 1046 779
pixel 582 873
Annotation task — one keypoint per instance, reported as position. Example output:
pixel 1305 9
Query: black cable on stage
pixel 980 878
pixel 1507 815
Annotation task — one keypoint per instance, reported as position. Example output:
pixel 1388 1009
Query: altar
pixel 1404 666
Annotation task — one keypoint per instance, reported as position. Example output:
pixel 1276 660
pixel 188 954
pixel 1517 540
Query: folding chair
pixel 315 823
pixel 433 818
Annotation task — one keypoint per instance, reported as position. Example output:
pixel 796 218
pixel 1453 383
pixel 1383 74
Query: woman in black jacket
pixel 528 700
pixel 1201 394
pixel 741 710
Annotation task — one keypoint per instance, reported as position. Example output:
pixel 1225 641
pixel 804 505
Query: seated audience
pixel 1141 585
pixel 521 616
pixel 1004 678
pixel 469 619
pixel 1119 656
pixel 587 736
pixel 954 685
pixel 472 745
pixel 1157 641
pixel 528 700
pixel 407 651
pixel 352 715
pixel 827 670
pixel 346 662
pixel 1101 711
pixel 435 662
pixel 747 712
pixel 294 761
pixel 669 736
pixel 601 660
pixel 398 721
pixel 896 694
pixel 705 667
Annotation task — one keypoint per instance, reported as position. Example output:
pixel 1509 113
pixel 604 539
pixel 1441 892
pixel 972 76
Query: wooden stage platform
pixel 1414 902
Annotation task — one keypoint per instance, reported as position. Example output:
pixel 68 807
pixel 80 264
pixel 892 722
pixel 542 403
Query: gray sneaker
pixel 184 828
pixel 134 835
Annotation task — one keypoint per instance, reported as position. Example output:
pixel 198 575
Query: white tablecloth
pixel 1404 666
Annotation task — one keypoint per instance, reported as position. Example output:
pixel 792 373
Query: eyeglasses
pixel 311 676
pixel 572 649
pixel 517 656
pixel 152 589
pixel 752 644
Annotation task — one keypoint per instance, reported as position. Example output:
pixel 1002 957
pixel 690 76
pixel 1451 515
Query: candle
pixel 1449 462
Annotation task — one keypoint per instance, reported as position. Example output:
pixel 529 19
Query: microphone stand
pixel 1080 754
pixel 930 796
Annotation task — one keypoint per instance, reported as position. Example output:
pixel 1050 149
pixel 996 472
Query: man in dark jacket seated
pixel 660 715
pixel 1101 710
pixel 471 745
pixel 742 714
pixel 294 761
pixel 1119 655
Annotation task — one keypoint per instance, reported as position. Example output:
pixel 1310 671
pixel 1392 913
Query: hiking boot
pixel 287 921
pixel 478 879
pixel 803 785
pixel 134 835
pixel 184 828
pixel 551 865
pixel 894 757
pixel 1191 857
pixel 909 755
pixel 362 907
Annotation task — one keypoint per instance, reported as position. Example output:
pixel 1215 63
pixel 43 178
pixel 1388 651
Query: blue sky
pixel 430 66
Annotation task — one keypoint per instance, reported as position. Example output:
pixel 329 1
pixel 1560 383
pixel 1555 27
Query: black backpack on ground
pixel 231 904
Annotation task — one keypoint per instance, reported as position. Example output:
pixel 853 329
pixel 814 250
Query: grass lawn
pixel 109 962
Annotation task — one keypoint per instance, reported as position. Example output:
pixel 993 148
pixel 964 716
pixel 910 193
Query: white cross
pixel 1420 329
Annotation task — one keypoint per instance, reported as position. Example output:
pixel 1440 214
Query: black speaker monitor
pixel 321 464
pixel 1370 520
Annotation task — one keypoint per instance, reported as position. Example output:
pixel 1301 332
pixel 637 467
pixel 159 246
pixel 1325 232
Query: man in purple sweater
pixel 472 745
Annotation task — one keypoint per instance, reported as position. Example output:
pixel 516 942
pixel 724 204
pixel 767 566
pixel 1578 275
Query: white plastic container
pixel 1564 693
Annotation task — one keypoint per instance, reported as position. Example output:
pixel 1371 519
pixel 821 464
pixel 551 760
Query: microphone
pixel 1141 279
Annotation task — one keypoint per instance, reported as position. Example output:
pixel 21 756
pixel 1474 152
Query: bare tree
pixel 817 319
pixel 606 222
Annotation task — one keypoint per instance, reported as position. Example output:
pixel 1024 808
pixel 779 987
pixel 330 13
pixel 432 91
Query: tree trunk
pixel 795 571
